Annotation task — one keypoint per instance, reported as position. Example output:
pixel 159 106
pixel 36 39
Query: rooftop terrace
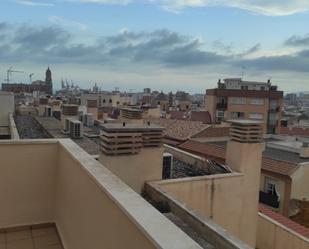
pixel 55 181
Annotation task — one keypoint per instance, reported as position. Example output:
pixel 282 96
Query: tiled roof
pixel 216 151
pixel 178 115
pixel 202 116
pixel 278 166
pixel 285 221
pixel 179 129
pixel 161 121
pixel 184 129
pixel 204 149
pixel 213 132
pixel 294 131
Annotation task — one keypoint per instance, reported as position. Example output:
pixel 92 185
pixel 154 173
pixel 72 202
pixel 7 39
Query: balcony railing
pixel 274 109
pixel 221 105
pixel 269 199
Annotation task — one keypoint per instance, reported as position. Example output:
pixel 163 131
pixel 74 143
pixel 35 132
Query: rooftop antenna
pixel 243 71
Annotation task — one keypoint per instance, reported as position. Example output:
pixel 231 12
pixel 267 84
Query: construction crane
pixel 30 77
pixel 9 73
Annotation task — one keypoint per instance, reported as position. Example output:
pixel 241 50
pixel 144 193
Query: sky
pixel 162 44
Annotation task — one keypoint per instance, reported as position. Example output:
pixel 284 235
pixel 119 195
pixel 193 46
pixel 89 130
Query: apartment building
pixel 238 99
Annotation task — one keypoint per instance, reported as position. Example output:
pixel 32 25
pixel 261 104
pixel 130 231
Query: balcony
pixel 269 199
pixel 55 182
pixel 222 106
pixel 274 109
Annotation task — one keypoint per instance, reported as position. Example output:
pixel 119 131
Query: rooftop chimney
pixel 132 152
pixel 244 155
pixel 304 149
pixel 246 131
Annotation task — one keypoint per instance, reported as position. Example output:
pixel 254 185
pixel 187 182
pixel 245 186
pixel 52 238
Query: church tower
pixel 49 81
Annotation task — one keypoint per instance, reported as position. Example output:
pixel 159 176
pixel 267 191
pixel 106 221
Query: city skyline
pixel 164 45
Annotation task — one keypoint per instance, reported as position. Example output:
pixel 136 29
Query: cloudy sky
pixel 162 44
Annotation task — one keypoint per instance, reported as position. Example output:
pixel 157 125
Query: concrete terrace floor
pixel 32 237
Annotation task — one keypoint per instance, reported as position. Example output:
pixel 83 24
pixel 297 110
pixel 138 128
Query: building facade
pixel 237 99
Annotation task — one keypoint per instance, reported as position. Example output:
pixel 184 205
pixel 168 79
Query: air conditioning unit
pixel 76 129
pixel 81 116
pixel 88 119
pixel 167 170
pixel 73 128
pixel 48 112
pixel 67 125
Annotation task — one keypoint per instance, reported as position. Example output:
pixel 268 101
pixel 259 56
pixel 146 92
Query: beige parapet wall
pixel 56 181
pixel 217 197
pixel 205 227
pixel 273 235
pixel 13 128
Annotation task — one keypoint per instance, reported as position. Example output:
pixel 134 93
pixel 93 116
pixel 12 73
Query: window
pixel 220 114
pixel 273 104
pixel 237 114
pixel 270 185
pixel 104 101
pixel 256 115
pixel 238 101
pixel 110 101
pixel 244 87
pixel 257 101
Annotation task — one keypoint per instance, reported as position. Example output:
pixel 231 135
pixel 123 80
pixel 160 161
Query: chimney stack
pixel 244 155
pixel 304 149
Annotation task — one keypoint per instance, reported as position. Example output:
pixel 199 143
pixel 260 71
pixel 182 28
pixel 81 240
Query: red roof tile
pixel 213 132
pixel 180 130
pixel 204 149
pixel 202 116
pixel 278 166
pixel 184 129
pixel 215 151
pixel 178 115
pixel 294 131
pixel 284 221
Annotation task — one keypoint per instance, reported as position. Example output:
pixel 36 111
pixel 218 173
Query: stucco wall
pixel 135 170
pixel 218 197
pixel 13 128
pixel 272 235
pixel 211 105
pixel 82 208
pixel 56 181
pixel 6 107
pixel 300 183
pixel 27 183
pixel 250 108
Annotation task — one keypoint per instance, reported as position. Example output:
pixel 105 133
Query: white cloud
pixel 67 23
pixel 34 3
pixel 264 7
